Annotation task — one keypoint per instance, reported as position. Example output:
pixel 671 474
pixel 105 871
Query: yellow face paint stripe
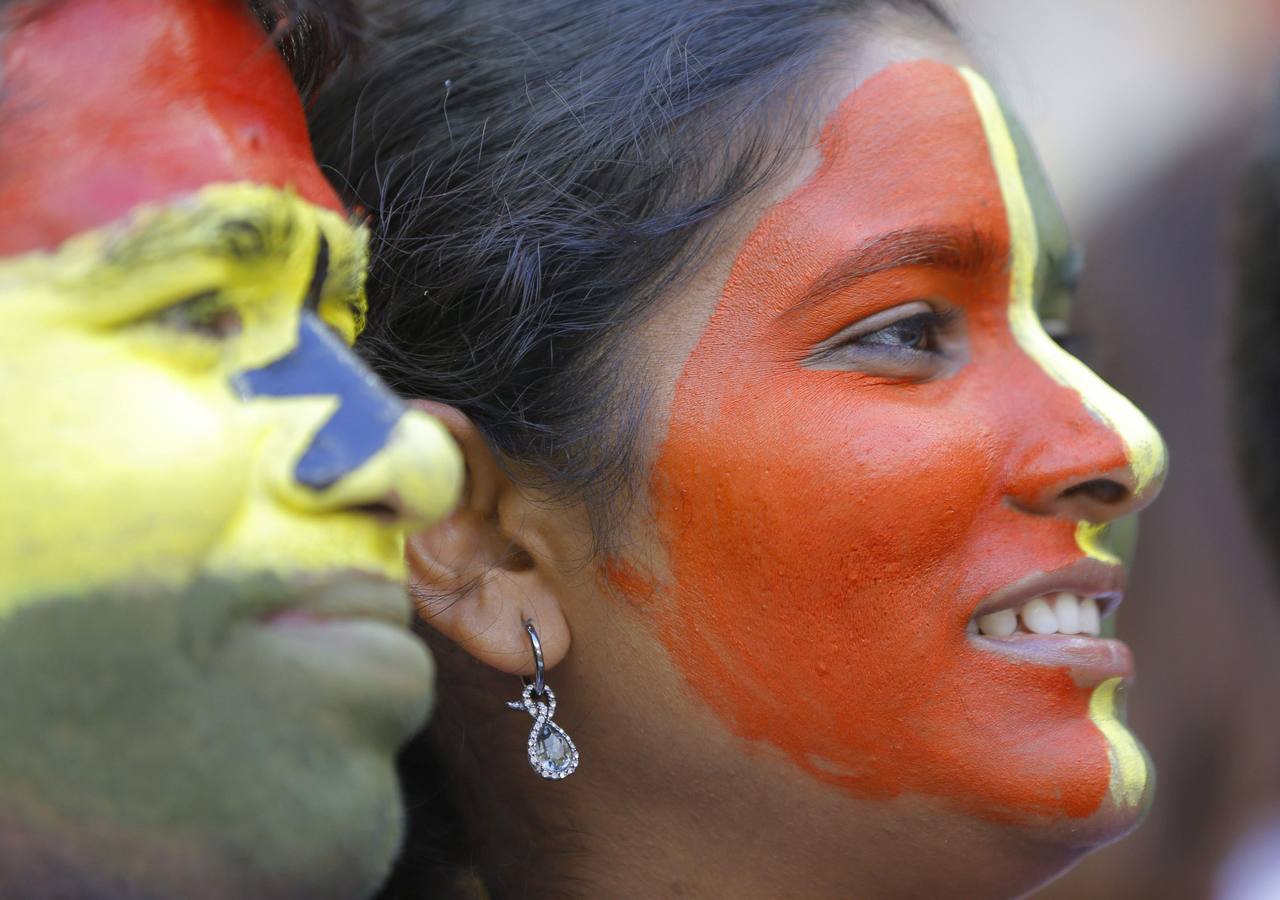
pixel 1130 770
pixel 1089 538
pixel 1144 448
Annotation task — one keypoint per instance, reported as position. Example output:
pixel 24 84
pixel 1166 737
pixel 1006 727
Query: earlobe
pixel 476 577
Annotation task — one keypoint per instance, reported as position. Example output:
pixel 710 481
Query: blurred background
pixel 1144 112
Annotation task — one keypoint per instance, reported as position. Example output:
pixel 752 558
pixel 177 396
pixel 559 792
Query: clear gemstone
pixel 553 750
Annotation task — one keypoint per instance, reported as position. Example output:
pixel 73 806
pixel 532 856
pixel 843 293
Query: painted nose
pixel 1092 463
pixel 1084 496
pixel 373 455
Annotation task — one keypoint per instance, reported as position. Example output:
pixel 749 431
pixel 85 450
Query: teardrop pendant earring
pixel 552 753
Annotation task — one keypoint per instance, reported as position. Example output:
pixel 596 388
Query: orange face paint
pixel 829 533
pixel 184 94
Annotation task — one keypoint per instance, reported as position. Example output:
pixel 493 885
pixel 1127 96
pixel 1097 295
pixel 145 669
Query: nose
pixel 1093 457
pixel 1081 493
pixel 373 455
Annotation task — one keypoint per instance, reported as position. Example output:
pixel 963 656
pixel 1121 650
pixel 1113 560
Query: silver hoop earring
pixel 552 753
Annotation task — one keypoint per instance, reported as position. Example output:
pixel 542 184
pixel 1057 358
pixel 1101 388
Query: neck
pixel 668 815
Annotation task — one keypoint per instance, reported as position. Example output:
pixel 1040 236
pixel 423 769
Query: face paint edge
pixel 1131 768
pixel 1089 538
pixel 1144 448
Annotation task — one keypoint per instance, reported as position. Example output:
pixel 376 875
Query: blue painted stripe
pixel 322 365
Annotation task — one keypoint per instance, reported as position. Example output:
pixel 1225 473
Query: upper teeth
pixel 1051 614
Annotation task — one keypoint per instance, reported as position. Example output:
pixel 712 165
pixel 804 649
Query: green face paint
pixel 168 744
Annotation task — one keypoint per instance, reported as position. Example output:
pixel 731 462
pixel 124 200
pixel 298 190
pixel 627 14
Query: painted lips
pixel 340 642
pixel 352 596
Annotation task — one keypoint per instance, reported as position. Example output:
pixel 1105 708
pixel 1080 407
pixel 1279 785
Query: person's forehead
pixel 901 135
pixel 109 105
pixel 881 39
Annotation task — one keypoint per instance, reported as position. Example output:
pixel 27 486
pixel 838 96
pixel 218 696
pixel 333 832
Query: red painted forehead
pixel 108 104
pixel 905 153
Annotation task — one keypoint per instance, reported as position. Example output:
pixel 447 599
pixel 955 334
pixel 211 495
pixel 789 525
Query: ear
pixel 479 575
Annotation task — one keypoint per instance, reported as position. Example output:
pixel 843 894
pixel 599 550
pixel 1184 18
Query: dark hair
pixel 537 172
pixel 313 36
pixel 1255 360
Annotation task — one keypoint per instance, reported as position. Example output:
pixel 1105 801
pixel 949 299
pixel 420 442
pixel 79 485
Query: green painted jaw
pixel 153 749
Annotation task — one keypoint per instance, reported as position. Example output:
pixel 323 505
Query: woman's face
pixel 875 444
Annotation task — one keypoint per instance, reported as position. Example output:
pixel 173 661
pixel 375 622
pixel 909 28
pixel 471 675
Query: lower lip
pixel 1090 660
pixel 356 647
pixel 357 643
pixel 355 651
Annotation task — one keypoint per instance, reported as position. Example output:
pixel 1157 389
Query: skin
pixel 204 669
pixel 774 650
pixel 950 486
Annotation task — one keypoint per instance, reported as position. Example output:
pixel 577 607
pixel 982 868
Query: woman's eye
pixel 205 314
pixel 912 342
pixel 919 333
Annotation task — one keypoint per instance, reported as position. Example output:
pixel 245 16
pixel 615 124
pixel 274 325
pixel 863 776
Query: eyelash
pixel 926 326
pixel 204 314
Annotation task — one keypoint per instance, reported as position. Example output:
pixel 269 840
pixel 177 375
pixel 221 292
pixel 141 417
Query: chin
pixel 1043 849
pixel 1131 781
pixel 139 762
pixel 59 856
pixel 1122 811
pixel 1092 755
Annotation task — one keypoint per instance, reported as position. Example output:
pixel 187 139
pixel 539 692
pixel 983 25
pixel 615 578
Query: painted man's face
pixel 204 669
pixel 874 445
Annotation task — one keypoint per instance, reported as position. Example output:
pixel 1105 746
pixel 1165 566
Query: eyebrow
pixel 964 250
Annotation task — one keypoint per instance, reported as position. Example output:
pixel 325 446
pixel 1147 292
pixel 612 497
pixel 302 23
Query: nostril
pixel 1102 490
pixel 383 512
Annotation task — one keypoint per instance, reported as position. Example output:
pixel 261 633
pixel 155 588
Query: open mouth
pixel 1055 619
pixel 1061 612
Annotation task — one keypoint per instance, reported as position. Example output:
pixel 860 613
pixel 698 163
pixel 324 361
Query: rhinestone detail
pixel 552 753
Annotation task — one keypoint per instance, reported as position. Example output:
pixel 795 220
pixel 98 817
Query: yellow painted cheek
pixel 267 539
pixel 290 528
pixel 128 455
pixel 115 469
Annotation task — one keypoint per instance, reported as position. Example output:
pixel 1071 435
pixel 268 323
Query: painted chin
pixel 1102 670
pixel 1133 779
pixel 1131 787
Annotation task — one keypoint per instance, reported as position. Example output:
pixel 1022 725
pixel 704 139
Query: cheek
pixel 122 469
pixel 844 523
pixel 822 567
pixel 849 495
